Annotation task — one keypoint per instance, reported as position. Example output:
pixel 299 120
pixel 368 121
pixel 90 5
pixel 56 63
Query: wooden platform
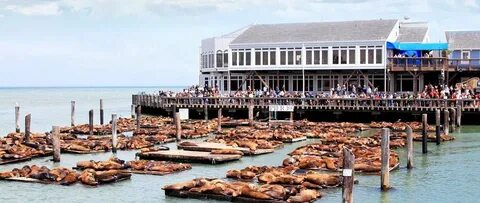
pixel 299 139
pixel 205 196
pixel 209 146
pixel 189 156
pixel 28 158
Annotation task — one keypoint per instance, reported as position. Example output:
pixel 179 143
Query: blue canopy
pixel 416 46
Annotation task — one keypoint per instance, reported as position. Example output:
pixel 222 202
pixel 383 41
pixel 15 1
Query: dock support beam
pixel 453 114
pixel 446 122
pixel 114 133
pixel 101 111
pixel 385 150
pixel 459 115
pixel 138 111
pixel 437 126
pixel 250 114
pixel 17 118
pixel 72 113
pixel 178 126
pixel 132 110
pixel 28 121
pixel 56 143
pixel 291 116
pixel 424 133
pixel 409 148
pixel 205 109
pixel 219 120
pixel 348 178
pixel 90 121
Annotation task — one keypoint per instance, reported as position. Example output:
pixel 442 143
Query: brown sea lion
pixel 86 164
pixel 226 151
pixel 88 177
pixel 275 191
pixel 185 144
pixel 181 186
pixel 251 192
pixel 306 195
pixel 323 179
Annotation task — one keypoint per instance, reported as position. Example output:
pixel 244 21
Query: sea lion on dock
pixel 323 179
pixel 249 191
pixel 274 191
pixel 289 161
pixel 187 144
pixel 226 151
pixel 184 185
pixel 306 195
pixel 88 177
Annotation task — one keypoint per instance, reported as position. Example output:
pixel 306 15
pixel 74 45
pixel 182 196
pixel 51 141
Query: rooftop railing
pixel 416 63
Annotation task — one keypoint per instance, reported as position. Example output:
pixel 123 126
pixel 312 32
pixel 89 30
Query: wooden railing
pixel 416 63
pixel 464 64
pixel 157 101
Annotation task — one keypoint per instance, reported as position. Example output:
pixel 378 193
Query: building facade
pixel 319 56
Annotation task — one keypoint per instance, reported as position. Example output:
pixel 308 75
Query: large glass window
pixel 335 55
pixel 343 56
pixel 290 57
pixel 219 59
pixel 225 58
pixel 370 55
pixel 351 56
pixel 265 58
pixel 283 57
pixel 309 57
pixel 257 58
pixel 316 57
pixel 363 56
pixel 241 58
pixel 248 58
pixel 325 55
pixel 298 57
pixel 234 58
pixel 379 55
pixel 273 59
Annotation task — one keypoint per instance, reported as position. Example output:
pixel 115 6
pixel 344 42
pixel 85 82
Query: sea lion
pixel 233 174
pixel 86 164
pixel 70 178
pixel 248 191
pixel 289 161
pixel 88 177
pixel 266 178
pixel 182 186
pixel 246 174
pixel 186 144
pixel 274 191
pixel 226 151
pixel 323 179
pixel 306 195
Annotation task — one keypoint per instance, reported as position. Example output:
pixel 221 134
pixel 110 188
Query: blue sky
pixel 156 42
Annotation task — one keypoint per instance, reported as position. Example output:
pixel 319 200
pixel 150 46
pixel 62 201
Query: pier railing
pixel 416 63
pixel 156 101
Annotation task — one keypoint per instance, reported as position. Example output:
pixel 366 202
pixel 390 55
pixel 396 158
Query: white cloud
pixel 43 9
pixel 471 3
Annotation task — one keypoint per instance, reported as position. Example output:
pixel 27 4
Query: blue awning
pixel 415 46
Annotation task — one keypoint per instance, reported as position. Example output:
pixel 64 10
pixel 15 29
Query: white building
pixel 308 56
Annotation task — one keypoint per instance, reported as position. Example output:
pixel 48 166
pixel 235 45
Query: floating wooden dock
pixel 209 146
pixel 204 196
pixel 298 139
pixel 189 156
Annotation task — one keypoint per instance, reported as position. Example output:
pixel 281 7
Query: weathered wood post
pixel 409 147
pixel 446 122
pixel 90 121
pixel 250 112
pixel 459 116
pixel 17 118
pixel 424 133
pixel 114 133
pixel 28 121
pixel 348 178
pixel 219 120
pixel 453 114
pixel 205 109
pixel 56 143
pixel 178 126
pixel 385 170
pixel 72 113
pixel 291 116
pixel 437 126
pixel 132 110
pixel 138 116
pixel 101 111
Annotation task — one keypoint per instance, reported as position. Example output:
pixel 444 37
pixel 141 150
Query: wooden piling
pixel 437 126
pixel 178 126
pixel 219 120
pixel 72 113
pixel 114 133
pixel 205 110
pixel 90 122
pixel 348 177
pixel 453 114
pixel 446 122
pixel 28 121
pixel 291 116
pixel 56 143
pixel 250 114
pixel 138 116
pixel 101 111
pixel 132 110
pixel 17 118
pixel 385 151
pixel 459 116
pixel 409 147
pixel 424 133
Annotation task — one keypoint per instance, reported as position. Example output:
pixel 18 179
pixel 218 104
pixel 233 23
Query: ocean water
pixel 448 173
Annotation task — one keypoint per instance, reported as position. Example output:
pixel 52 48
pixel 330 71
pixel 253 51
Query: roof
pixel 463 39
pixel 367 30
pixel 412 34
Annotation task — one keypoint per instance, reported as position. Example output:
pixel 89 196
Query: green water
pixel 448 173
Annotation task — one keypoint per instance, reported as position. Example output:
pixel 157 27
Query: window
pixel 324 55
pixel 378 56
pixel 219 59
pixel 316 57
pixel 370 55
pixel 248 58
pixel 297 83
pixel 363 55
pixel 265 58
pixel 234 58
pixel 351 55
pixel 257 58
pixel 335 55
pixel 290 57
pixel 465 57
pixel 283 57
pixel 272 57
pixel 298 57
pixel 241 58
pixel 343 56
pixel 225 58
pixel 309 57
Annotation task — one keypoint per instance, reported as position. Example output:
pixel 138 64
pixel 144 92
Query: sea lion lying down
pixel 92 177
pixel 160 166
pixel 111 163
pixel 60 175
pixel 226 151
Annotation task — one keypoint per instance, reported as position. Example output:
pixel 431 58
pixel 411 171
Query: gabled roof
pixel 366 30
pixel 412 34
pixel 463 39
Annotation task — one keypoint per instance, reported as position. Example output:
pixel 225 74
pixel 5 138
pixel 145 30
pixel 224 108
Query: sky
pixel 156 42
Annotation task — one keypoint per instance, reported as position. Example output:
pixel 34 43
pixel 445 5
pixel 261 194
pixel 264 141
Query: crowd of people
pixel 340 91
